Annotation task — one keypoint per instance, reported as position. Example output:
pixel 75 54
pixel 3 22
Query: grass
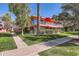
pixel 6 42
pixel 33 39
pixel 70 33
pixel 67 49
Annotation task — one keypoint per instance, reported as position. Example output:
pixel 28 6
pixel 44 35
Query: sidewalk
pixel 19 42
pixel 36 48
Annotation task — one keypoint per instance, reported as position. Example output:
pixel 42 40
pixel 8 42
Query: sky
pixel 46 9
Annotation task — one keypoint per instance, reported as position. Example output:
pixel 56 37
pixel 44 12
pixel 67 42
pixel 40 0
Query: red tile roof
pixel 44 19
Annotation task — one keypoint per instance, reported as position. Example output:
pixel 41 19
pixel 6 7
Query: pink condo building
pixel 47 25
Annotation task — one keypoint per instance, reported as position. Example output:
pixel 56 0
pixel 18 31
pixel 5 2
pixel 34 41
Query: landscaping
pixel 6 42
pixel 71 33
pixel 33 39
pixel 66 49
pixel 31 29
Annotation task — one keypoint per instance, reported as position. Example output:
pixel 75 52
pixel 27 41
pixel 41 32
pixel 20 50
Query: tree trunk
pixel 38 18
pixel 73 29
pixel 22 32
pixel 65 28
pixel 29 29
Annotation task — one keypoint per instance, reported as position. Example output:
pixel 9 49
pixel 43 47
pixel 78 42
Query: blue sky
pixel 46 9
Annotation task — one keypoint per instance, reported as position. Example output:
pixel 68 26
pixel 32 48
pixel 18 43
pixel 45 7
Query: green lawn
pixel 67 49
pixel 33 39
pixel 6 42
pixel 70 33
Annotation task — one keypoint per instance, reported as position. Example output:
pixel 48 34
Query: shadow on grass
pixel 56 43
pixel 34 39
pixel 5 35
pixel 65 49
pixel 43 37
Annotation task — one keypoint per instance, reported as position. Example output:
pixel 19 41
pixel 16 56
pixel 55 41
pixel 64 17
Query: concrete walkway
pixel 19 42
pixel 36 48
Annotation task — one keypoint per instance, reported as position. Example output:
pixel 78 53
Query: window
pixel 43 22
pixel 34 21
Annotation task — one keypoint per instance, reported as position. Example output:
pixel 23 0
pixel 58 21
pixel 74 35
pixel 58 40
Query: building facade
pixel 47 25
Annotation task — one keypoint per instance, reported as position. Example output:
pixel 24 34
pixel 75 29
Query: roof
pixel 47 19
pixel 50 20
pixel 35 17
pixel 48 26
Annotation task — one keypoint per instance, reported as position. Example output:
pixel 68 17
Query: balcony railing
pixel 34 22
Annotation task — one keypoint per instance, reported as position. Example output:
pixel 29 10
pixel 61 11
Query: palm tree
pixel 22 14
pixel 38 18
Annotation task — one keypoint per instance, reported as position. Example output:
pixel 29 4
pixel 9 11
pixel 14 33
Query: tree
pixel 22 14
pixel 69 16
pixel 6 17
pixel 73 9
pixel 7 21
pixel 38 18
pixel 67 20
pixel 55 17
